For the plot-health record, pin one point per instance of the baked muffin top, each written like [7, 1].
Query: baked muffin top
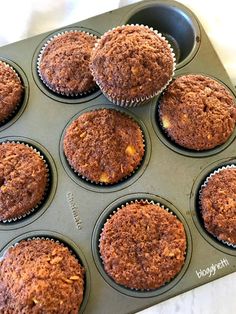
[218, 205]
[142, 246]
[197, 112]
[23, 180]
[64, 63]
[104, 145]
[11, 91]
[40, 276]
[132, 62]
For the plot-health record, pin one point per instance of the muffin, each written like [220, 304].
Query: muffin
[104, 145]
[197, 112]
[64, 63]
[23, 180]
[218, 204]
[142, 246]
[131, 64]
[40, 276]
[11, 91]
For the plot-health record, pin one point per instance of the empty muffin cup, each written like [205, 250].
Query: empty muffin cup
[177, 24]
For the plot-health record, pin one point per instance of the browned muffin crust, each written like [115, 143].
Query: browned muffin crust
[218, 205]
[11, 91]
[23, 180]
[64, 64]
[104, 145]
[143, 246]
[197, 112]
[40, 276]
[131, 62]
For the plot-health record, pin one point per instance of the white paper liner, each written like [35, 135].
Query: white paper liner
[57, 90]
[137, 201]
[134, 102]
[124, 178]
[200, 192]
[20, 217]
[17, 106]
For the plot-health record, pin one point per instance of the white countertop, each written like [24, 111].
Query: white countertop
[21, 19]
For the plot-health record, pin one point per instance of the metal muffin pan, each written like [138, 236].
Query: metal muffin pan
[75, 209]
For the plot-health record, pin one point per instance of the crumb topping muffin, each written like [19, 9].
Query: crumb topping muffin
[218, 205]
[132, 62]
[142, 246]
[64, 63]
[104, 145]
[197, 112]
[11, 91]
[23, 180]
[40, 276]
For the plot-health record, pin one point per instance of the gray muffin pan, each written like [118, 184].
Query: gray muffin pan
[75, 210]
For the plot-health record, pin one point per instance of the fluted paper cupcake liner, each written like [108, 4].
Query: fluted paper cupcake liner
[134, 102]
[200, 192]
[57, 90]
[35, 208]
[17, 107]
[137, 201]
[122, 179]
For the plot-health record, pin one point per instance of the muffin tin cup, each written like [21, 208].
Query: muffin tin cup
[63, 241]
[4, 121]
[124, 178]
[195, 203]
[69, 98]
[108, 213]
[167, 139]
[46, 188]
[23, 219]
[176, 22]
[205, 184]
[134, 102]
[106, 187]
[57, 90]
[21, 105]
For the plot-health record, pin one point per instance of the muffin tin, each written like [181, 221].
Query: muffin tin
[74, 209]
